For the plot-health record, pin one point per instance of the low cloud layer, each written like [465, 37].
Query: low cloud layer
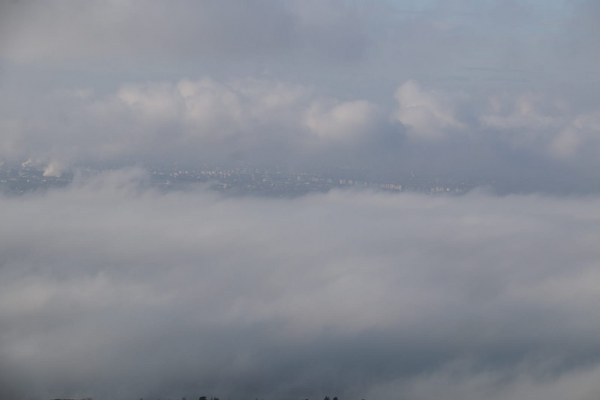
[113, 290]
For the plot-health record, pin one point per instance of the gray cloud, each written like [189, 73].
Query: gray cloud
[179, 31]
[111, 289]
[337, 43]
[496, 92]
[118, 291]
[532, 141]
[193, 121]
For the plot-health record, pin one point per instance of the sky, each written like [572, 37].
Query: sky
[112, 289]
[496, 92]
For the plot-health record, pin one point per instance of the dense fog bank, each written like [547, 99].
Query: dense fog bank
[111, 289]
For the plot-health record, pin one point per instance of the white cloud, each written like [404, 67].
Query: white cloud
[526, 112]
[550, 124]
[117, 290]
[583, 130]
[53, 169]
[186, 120]
[426, 114]
[341, 121]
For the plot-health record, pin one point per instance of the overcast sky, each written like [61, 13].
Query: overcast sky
[490, 91]
[113, 290]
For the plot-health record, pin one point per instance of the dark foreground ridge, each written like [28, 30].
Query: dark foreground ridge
[183, 398]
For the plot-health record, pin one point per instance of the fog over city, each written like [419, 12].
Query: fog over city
[293, 199]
